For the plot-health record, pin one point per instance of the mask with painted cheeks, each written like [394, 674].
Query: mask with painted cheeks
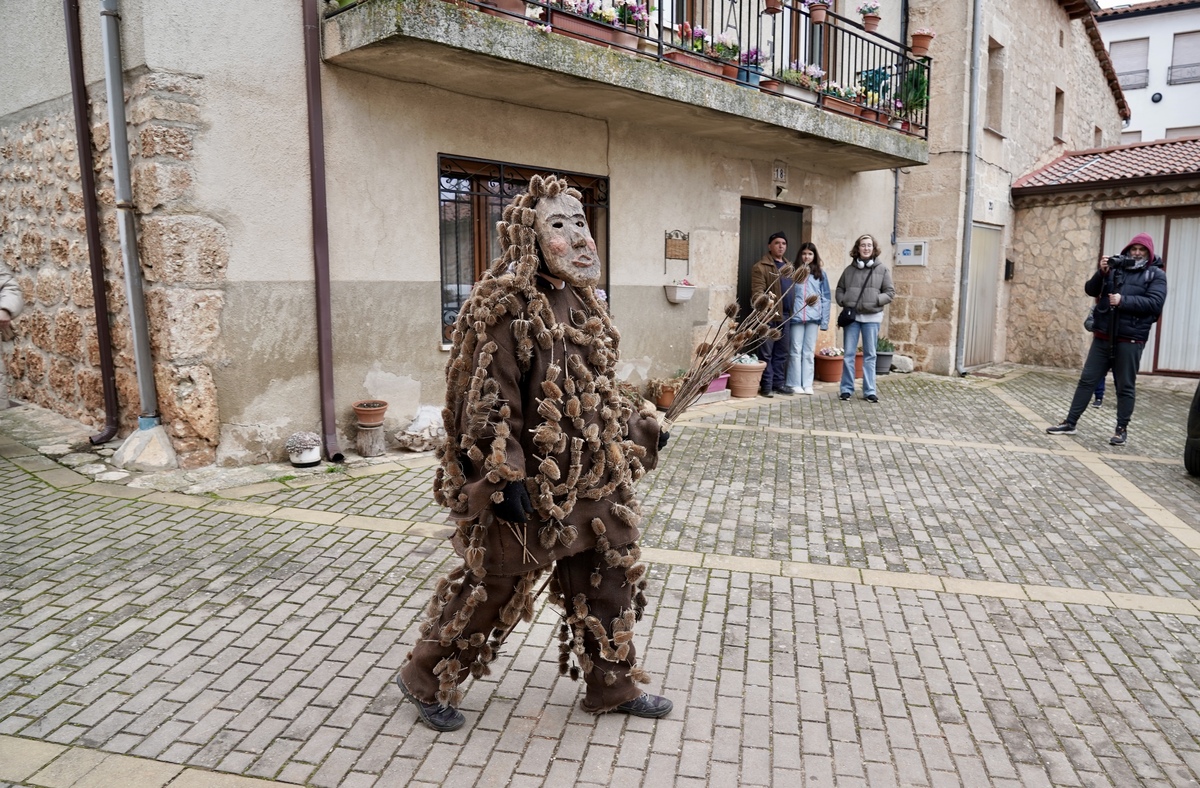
[566, 242]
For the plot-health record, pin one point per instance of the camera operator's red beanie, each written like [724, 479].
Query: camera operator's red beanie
[1143, 239]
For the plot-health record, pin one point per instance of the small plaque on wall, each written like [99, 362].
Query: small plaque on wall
[677, 245]
[912, 252]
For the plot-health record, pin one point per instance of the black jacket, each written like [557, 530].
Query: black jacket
[1143, 293]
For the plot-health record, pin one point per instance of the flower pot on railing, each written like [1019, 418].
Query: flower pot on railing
[790, 90]
[693, 61]
[871, 22]
[920, 44]
[817, 12]
[839, 105]
[515, 8]
[773, 7]
[581, 28]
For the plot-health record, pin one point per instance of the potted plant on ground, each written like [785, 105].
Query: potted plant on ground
[661, 391]
[828, 364]
[798, 82]
[884, 348]
[745, 373]
[369, 412]
[870, 15]
[304, 449]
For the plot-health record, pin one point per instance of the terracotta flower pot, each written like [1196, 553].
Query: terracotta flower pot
[871, 22]
[694, 61]
[666, 399]
[744, 379]
[920, 44]
[581, 28]
[839, 105]
[774, 7]
[817, 12]
[828, 368]
[370, 412]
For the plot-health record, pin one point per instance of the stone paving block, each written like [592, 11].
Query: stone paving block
[62, 478]
[111, 490]
[20, 758]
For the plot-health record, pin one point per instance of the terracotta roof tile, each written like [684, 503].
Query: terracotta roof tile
[1104, 166]
[1136, 9]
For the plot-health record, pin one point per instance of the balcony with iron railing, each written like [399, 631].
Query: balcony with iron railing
[1183, 74]
[759, 74]
[1133, 80]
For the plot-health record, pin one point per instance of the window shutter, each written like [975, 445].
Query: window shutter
[1130, 56]
[1187, 49]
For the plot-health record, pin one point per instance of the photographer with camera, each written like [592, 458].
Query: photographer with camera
[1130, 289]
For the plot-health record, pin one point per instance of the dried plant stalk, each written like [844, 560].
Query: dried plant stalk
[716, 353]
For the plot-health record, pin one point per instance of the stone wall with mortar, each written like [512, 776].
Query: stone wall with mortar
[1043, 50]
[55, 359]
[1056, 243]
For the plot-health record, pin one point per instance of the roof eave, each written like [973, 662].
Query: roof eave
[1084, 186]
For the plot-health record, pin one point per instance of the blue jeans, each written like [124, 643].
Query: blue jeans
[870, 334]
[800, 360]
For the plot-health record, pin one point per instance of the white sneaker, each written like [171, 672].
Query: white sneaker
[804, 391]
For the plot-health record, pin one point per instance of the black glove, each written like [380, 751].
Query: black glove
[516, 506]
[662, 439]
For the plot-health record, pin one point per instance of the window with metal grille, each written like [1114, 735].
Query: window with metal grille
[1185, 59]
[472, 194]
[1129, 59]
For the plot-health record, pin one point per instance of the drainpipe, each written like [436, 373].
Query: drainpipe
[311, 11]
[91, 217]
[969, 208]
[114, 82]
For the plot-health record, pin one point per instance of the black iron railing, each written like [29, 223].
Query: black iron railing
[771, 45]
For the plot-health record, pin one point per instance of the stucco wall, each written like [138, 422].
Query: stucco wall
[933, 198]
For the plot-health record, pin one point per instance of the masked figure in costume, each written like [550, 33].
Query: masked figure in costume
[541, 455]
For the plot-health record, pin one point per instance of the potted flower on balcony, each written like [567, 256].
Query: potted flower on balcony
[870, 15]
[633, 20]
[798, 82]
[840, 98]
[694, 51]
[921, 39]
[727, 48]
[913, 93]
[817, 10]
[584, 20]
[751, 67]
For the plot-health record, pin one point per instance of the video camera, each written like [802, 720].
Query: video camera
[1124, 262]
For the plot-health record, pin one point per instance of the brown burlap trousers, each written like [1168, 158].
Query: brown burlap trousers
[468, 614]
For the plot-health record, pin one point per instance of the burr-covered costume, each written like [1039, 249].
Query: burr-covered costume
[532, 401]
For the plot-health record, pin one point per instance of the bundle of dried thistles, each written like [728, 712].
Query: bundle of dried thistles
[730, 339]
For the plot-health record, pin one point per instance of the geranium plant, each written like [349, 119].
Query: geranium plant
[924, 31]
[633, 14]
[693, 38]
[726, 45]
[868, 7]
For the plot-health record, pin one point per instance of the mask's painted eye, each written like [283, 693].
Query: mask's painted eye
[557, 225]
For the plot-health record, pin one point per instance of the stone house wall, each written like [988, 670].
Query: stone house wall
[1056, 243]
[55, 361]
[1043, 49]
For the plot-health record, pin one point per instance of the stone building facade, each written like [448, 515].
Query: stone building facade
[54, 361]
[1044, 88]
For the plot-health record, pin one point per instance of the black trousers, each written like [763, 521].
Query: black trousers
[1123, 361]
[775, 353]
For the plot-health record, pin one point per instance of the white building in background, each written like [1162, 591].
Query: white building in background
[1155, 49]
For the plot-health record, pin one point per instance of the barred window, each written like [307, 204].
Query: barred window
[472, 194]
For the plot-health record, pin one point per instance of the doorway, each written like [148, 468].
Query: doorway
[760, 220]
[979, 328]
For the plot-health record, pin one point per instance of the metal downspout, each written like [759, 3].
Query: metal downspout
[91, 217]
[969, 208]
[311, 11]
[114, 82]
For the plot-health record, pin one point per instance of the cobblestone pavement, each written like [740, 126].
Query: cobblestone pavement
[928, 591]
